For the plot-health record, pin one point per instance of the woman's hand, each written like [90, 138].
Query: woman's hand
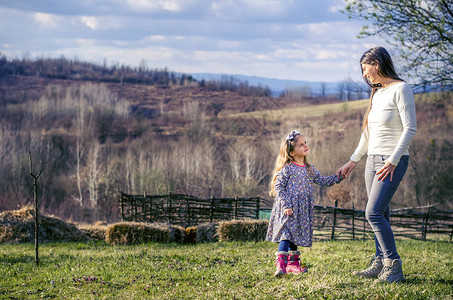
[288, 212]
[387, 169]
[346, 169]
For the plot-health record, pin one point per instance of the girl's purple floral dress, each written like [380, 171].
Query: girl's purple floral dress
[294, 189]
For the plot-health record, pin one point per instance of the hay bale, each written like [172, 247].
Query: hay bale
[207, 232]
[96, 232]
[177, 234]
[19, 226]
[243, 230]
[101, 223]
[191, 235]
[128, 233]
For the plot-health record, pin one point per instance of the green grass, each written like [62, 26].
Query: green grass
[230, 270]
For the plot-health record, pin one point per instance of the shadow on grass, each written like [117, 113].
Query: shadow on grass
[417, 280]
[7, 259]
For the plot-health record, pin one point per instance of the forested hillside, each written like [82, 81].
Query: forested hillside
[96, 137]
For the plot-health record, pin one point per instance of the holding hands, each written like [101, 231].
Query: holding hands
[345, 170]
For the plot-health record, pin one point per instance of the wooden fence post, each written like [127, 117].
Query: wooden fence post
[334, 220]
[353, 218]
[122, 206]
[236, 207]
[144, 207]
[188, 210]
[169, 208]
[451, 234]
[257, 207]
[150, 207]
[364, 221]
[425, 223]
[212, 209]
[134, 202]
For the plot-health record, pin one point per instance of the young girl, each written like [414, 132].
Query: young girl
[291, 219]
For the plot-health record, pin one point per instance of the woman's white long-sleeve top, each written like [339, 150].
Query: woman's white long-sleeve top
[391, 124]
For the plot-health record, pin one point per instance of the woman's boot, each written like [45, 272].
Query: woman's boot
[392, 271]
[373, 270]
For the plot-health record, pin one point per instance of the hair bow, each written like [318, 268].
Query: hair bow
[292, 135]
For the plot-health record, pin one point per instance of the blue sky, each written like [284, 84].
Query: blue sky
[285, 39]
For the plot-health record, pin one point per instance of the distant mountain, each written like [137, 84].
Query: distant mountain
[277, 86]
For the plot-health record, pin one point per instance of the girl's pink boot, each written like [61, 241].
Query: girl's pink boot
[281, 262]
[294, 263]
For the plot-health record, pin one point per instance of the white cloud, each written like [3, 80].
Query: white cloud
[291, 54]
[249, 10]
[287, 39]
[90, 22]
[268, 7]
[100, 23]
[230, 45]
[155, 38]
[46, 19]
[158, 5]
[326, 55]
[85, 41]
[336, 6]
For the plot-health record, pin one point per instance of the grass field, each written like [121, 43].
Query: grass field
[230, 270]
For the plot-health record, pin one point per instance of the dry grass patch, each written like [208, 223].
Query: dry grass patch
[302, 110]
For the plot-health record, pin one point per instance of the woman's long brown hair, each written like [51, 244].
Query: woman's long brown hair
[377, 56]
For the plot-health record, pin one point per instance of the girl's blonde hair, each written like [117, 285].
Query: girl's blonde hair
[283, 158]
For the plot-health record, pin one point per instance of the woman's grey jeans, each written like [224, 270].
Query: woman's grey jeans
[380, 194]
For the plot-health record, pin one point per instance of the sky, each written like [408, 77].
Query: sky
[308, 40]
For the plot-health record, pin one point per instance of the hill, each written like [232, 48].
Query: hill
[96, 138]
[277, 86]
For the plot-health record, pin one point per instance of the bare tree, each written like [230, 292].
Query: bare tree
[93, 169]
[421, 30]
[36, 207]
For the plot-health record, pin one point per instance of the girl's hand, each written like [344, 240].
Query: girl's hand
[346, 169]
[387, 169]
[288, 212]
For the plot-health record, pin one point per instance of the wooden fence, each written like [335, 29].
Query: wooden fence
[330, 222]
[411, 222]
[186, 210]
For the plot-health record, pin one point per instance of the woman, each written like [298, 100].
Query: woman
[388, 128]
